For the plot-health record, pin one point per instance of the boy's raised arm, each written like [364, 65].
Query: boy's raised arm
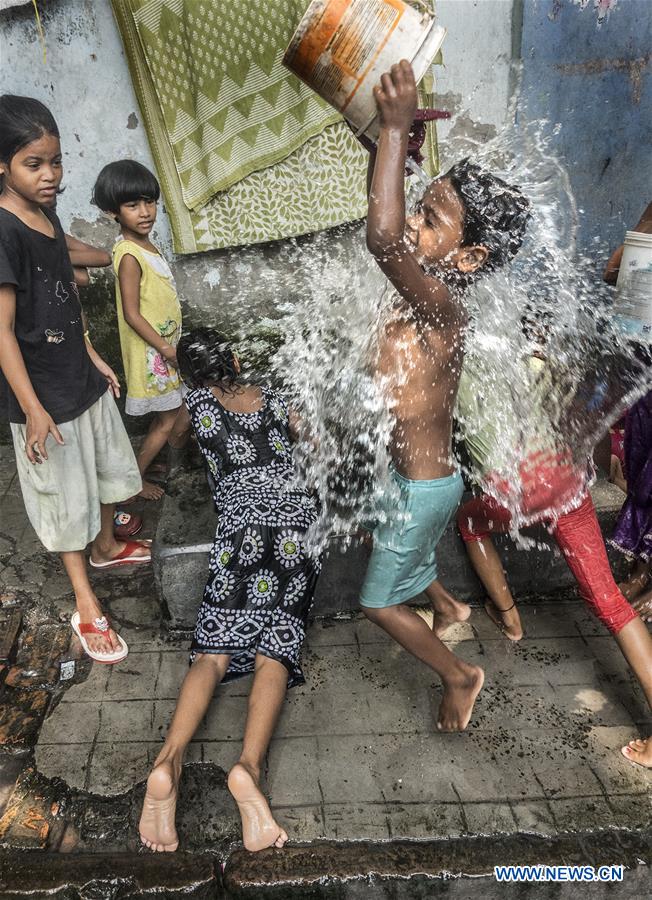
[396, 97]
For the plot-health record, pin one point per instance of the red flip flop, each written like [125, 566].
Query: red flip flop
[99, 626]
[126, 557]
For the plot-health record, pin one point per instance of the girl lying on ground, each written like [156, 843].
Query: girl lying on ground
[260, 587]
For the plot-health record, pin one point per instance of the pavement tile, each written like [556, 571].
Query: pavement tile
[368, 822]
[321, 663]
[75, 723]
[629, 693]
[489, 818]
[552, 661]
[616, 774]
[631, 810]
[220, 753]
[582, 814]
[593, 704]
[66, 761]
[116, 767]
[293, 772]
[368, 633]
[225, 720]
[534, 817]
[404, 768]
[424, 821]
[172, 671]
[302, 823]
[135, 678]
[561, 762]
[556, 618]
[92, 689]
[610, 661]
[129, 721]
[138, 619]
[487, 767]
[331, 633]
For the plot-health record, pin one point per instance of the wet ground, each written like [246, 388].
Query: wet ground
[357, 773]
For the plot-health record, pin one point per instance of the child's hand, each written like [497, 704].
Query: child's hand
[105, 369]
[396, 97]
[39, 425]
[169, 354]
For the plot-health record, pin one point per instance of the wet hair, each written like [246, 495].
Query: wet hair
[496, 214]
[124, 181]
[205, 358]
[22, 120]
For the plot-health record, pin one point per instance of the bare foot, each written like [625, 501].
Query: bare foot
[446, 610]
[459, 696]
[151, 491]
[639, 752]
[157, 826]
[507, 620]
[89, 609]
[643, 606]
[259, 830]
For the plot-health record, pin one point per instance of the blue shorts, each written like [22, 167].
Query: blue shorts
[403, 561]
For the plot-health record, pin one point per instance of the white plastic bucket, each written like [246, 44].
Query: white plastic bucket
[342, 47]
[633, 305]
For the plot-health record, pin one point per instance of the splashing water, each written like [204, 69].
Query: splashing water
[547, 370]
[530, 422]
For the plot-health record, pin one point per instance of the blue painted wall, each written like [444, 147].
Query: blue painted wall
[596, 82]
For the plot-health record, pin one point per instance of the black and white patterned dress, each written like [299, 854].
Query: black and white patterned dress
[262, 574]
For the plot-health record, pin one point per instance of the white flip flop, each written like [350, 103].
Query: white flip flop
[99, 626]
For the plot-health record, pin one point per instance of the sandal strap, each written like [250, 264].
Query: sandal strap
[100, 625]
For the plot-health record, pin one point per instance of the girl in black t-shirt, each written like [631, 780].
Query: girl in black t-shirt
[73, 456]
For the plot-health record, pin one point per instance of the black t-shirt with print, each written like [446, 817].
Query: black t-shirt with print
[48, 323]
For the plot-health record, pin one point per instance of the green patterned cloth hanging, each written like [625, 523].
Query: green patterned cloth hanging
[244, 151]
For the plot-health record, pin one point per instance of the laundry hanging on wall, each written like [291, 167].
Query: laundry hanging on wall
[244, 151]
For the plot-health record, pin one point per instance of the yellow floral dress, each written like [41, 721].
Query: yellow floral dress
[153, 385]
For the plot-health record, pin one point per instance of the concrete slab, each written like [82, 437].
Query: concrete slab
[357, 756]
[183, 542]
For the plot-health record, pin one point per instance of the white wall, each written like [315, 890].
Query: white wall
[86, 83]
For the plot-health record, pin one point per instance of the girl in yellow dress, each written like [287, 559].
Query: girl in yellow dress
[149, 314]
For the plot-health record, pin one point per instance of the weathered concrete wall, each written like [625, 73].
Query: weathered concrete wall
[595, 81]
[87, 85]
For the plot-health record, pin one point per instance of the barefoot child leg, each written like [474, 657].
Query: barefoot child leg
[259, 828]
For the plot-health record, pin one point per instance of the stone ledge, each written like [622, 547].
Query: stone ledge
[460, 867]
[109, 875]
[187, 526]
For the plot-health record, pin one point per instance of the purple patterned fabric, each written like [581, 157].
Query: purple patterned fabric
[633, 532]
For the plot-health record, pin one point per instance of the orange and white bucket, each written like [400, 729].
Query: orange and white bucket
[342, 47]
